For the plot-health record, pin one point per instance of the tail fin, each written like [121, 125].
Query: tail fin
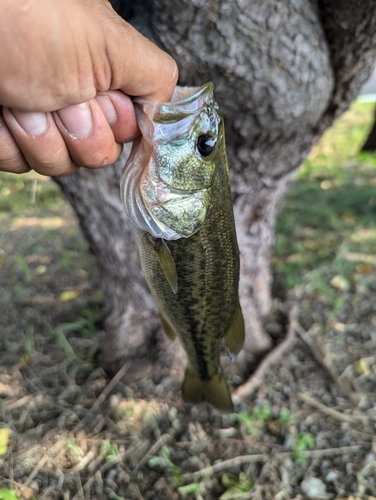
[214, 391]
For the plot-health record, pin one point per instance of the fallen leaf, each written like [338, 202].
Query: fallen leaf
[362, 367]
[364, 269]
[339, 327]
[314, 488]
[4, 439]
[326, 184]
[341, 283]
[41, 269]
[8, 495]
[68, 295]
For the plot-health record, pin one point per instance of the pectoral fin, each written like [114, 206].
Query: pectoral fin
[167, 328]
[234, 338]
[166, 261]
[214, 391]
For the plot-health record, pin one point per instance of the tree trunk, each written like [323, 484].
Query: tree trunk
[370, 144]
[283, 70]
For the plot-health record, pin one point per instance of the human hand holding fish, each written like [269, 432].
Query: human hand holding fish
[68, 68]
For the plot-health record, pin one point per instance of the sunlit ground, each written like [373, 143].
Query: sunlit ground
[328, 221]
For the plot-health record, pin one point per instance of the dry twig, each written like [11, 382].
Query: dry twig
[109, 465]
[165, 438]
[35, 471]
[102, 396]
[343, 417]
[264, 457]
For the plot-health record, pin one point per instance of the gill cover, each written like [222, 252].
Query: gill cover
[167, 179]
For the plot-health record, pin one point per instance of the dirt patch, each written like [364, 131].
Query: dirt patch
[77, 435]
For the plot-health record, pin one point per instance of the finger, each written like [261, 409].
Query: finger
[120, 114]
[11, 158]
[145, 70]
[87, 134]
[40, 142]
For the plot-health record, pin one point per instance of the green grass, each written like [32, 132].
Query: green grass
[28, 191]
[327, 224]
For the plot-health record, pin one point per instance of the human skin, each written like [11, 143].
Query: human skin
[68, 69]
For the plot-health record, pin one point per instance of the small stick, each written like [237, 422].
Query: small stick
[240, 460]
[34, 188]
[35, 471]
[102, 396]
[343, 417]
[82, 464]
[263, 457]
[108, 465]
[79, 487]
[256, 378]
[152, 451]
[140, 497]
[13, 405]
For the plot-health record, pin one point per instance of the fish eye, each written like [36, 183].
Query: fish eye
[206, 144]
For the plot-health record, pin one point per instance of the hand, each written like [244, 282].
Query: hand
[68, 69]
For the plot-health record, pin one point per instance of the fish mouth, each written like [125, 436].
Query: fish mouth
[185, 101]
[184, 95]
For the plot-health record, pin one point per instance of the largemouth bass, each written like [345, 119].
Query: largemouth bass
[175, 188]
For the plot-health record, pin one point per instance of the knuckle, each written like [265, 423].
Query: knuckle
[15, 164]
[49, 161]
[53, 160]
[170, 72]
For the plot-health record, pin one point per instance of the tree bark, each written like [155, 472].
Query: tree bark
[283, 70]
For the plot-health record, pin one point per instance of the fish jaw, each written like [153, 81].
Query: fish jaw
[166, 183]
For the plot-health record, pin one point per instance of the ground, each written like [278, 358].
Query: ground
[306, 427]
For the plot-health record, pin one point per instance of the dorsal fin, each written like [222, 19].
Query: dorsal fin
[166, 261]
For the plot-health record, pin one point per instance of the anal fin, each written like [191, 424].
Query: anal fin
[214, 391]
[234, 338]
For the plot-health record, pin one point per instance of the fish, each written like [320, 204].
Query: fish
[175, 189]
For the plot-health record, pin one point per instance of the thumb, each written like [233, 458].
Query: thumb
[139, 67]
